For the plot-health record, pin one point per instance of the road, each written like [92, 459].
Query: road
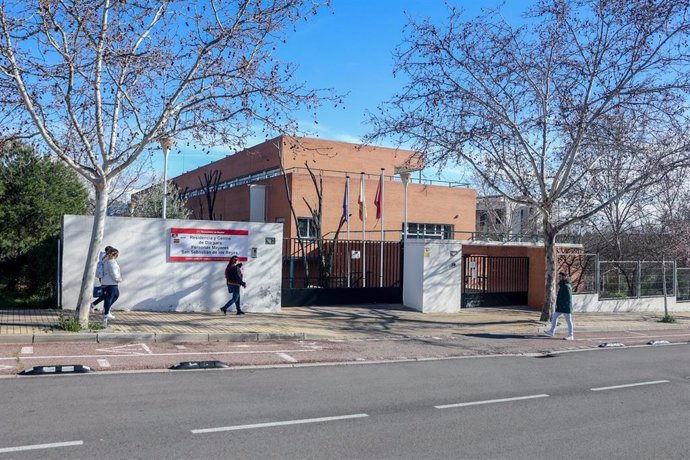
[618, 403]
[108, 357]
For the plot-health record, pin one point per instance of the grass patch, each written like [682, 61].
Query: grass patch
[70, 323]
[19, 301]
[668, 319]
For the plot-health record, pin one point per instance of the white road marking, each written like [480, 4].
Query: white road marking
[3, 366]
[491, 401]
[131, 349]
[189, 353]
[27, 350]
[287, 357]
[180, 347]
[615, 387]
[103, 362]
[41, 446]
[283, 423]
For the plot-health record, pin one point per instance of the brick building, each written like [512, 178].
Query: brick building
[250, 186]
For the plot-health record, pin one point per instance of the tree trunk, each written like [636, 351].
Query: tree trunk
[86, 293]
[550, 272]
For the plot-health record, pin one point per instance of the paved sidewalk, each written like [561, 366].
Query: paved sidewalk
[335, 323]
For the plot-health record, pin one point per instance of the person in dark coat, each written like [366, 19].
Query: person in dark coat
[564, 306]
[233, 278]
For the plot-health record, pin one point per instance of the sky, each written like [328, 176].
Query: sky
[349, 48]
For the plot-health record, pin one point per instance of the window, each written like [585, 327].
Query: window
[306, 228]
[429, 231]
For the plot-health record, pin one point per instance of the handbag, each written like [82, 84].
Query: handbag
[97, 291]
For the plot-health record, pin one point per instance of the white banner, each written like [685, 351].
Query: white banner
[203, 245]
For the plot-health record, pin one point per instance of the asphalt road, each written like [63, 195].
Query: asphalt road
[625, 403]
[109, 357]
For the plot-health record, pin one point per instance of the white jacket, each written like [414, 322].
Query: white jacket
[112, 273]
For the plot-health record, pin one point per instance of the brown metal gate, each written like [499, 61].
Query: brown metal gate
[490, 281]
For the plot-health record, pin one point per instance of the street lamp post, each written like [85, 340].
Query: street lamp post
[405, 178]
[166, 145]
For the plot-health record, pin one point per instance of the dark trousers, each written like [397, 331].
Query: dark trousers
[111, 294]
[234, 291]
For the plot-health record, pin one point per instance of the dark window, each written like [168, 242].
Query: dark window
[429, 231]
[306, 228]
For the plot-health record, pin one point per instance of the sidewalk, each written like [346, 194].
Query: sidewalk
[335, 323]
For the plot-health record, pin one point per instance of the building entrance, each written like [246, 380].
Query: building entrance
[355, 272]
[490, 281]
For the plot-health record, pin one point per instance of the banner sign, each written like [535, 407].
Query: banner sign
[207, 244]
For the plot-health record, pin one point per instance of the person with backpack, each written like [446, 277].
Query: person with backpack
[233, 279]
[99, 274]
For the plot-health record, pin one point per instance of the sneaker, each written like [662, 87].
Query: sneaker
[570, 337]
[224, 310]
[240, 312]
[110, 316]
[548, 333]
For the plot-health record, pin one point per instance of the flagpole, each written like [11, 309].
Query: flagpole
[347, 221]
[363, 211]
[383, 235]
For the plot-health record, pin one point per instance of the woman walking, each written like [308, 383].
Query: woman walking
[233, 279]
[564, 306]
[110, 282]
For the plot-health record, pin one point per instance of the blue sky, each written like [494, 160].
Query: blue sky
[349, 48]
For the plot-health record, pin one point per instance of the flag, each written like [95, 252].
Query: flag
[362, 201]
[346, 200]
[377, 198]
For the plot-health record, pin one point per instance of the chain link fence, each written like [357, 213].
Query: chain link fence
[625, 279]
[683, 277]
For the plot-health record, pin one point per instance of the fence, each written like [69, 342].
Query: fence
[346, 264]
[625, 279]
[683, 281]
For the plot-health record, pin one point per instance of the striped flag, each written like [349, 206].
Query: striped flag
[378, 198]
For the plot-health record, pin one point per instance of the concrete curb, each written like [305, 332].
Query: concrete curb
[17, 338]
[121, 337]
[233, 337]
[181, 337]
[65, 337]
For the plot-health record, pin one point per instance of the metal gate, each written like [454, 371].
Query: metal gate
[494, 281]
[343, 273]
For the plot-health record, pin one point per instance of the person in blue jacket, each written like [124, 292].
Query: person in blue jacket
[564, 306]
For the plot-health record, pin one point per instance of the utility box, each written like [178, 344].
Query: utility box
[432, 276]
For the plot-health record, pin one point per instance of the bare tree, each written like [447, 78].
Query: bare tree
[530, 108]
[99, 83]
[209, 185]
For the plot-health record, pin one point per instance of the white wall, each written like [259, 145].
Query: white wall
[591, 303]
[151, 282]
[432, 276]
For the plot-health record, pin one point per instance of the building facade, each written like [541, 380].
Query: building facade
[254, 185]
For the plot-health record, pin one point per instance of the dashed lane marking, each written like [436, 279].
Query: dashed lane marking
[103, 362]
[491, 401]
[287, 357]
[282, 423]
[616, 387]
[180, 347]
[41, 446]
[27, 350]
